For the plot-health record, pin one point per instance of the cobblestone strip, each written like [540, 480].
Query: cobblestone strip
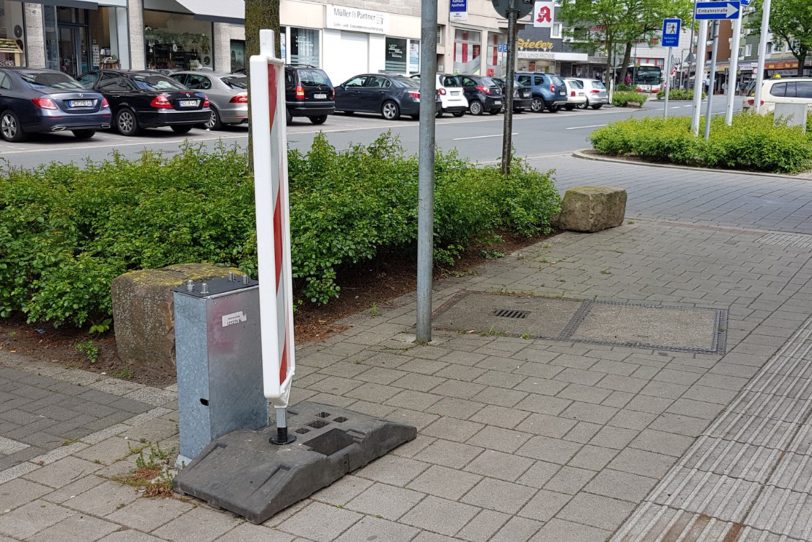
[787, 240]
[739, 475]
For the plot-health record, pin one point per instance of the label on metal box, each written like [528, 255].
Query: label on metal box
[234, 318]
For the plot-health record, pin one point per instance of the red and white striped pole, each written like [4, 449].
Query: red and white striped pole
[269, 133]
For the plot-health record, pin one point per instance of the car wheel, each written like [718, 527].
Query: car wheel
[318, 119]
[84, 134]
[439, 114]
[390, 110]
[475, 107]
[126, 122]
[10, 128]
[537, 105]
[288, 117]
[180, 130]
[214, 122]
[552, 108]
[495, 111]
[597, 106]
[569, 107]
[458, 114]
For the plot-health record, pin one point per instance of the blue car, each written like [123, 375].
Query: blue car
[33, 101]
[549, 91]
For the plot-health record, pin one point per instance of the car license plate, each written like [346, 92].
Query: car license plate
[188, 103]
[497, 102]
[455, 92]
[82, 103]
[320, 96]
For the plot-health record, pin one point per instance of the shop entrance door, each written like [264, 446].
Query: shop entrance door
[73, 50]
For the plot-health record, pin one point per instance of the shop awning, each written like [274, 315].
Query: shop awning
[232, 11]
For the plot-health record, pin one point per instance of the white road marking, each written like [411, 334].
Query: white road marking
[480, 137]
[588, 126]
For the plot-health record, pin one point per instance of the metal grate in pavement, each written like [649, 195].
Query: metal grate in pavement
[793, 240]
[750, 472]
[511, 313]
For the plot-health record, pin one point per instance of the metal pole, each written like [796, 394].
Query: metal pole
[711, 80]
[667, 82]
[762, 52]
[425, 195]
[690, 50]
[734, 68]
[282, 436]
[507, 135]
[699, 75]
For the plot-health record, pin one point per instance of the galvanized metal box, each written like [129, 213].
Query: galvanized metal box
[218, 359]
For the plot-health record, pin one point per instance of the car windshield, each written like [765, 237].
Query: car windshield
[236, 82]
[156, 82]
[313, 77]
[488, 82]
[54, 80]
[557, 81]
[451, 81]
[599, 85]
[406, 83]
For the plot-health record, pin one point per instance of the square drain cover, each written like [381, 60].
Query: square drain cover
[659, 327]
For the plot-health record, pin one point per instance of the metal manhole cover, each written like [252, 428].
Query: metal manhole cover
[643, 325]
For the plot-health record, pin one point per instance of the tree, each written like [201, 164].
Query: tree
[259, 15]
[603, 25]
[791, 21]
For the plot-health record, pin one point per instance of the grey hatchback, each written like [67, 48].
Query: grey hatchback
[227, 93]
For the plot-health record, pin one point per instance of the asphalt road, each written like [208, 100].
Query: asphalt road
[477, 138]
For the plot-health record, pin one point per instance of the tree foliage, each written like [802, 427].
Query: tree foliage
[791, 22]
[602, 25]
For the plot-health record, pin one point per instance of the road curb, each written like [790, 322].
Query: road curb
[586, 155]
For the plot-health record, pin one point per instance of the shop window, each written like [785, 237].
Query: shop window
[12, 35]
[176, 41]
[304, 47]
[238, 55]
[467, 49]
[395, 59]
[414, 56]
[492, 55]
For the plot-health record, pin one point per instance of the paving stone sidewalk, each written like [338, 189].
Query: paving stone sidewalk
[518, 439]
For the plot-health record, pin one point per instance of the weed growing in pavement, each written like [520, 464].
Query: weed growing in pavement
[374, 310]
[123, 374]
[152, 473]
[89, 349]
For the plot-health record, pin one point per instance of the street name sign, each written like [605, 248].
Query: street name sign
[458, 10]
[714, 11]
[671, 29]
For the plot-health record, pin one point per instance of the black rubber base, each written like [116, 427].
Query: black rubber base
[245, 474]
[282, 437]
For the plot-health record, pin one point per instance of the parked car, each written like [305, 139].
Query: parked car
[483, 94]
[548, 91]
[576, 95]
[227, 93]
[48, 101]
[522, 95]
[389, 95]
[452, 97]
[796, 90]
[147, 99]
[308, 93]
[596, 95]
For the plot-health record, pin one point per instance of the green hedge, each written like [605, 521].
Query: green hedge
[753, 143]
[678, 94]
[67, 231]
[623, 99]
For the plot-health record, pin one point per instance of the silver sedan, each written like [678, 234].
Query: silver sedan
[227, 93]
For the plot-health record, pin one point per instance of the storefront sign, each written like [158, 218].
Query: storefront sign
[356, 20]
[544, 14]
[539, 45]
[458, 10]
[395, 60]
[781, 65]
[550, 55]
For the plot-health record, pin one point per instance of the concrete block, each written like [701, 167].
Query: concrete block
[143, 311]
[592, 208]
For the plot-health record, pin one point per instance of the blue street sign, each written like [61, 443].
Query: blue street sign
[713, 11]
[458, 6]
[744, 2]
[671, 28]
[501, 47]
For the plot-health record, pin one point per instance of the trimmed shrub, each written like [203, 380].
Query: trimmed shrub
[753, 143]
[67, 231]
[678, 94]
[623, 99]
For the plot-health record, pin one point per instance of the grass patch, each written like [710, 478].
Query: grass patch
[152, 473]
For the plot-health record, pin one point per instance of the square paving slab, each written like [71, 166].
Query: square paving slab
[663, 327]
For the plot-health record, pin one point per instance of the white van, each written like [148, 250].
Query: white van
[797, 90]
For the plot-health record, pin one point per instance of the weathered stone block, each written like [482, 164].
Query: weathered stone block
[592, 208]
[143, 311]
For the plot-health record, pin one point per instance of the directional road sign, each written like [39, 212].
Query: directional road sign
[712, 11]
[744, 2]
[671, 29]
